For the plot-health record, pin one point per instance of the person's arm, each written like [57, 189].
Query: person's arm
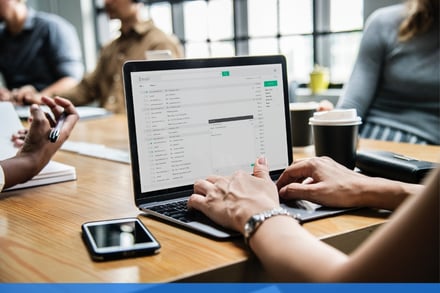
[361, 87]
[64, 58]
[404, 250]
[287, 251]
[29, 95]
[89, 90]
[290, 253]
[37, 150]
[323, 181]
[61, 84]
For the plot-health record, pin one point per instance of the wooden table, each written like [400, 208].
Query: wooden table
[40, 228]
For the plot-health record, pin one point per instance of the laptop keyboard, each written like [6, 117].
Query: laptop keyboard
[179, 211]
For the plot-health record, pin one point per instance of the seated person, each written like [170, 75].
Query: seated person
[395, 80]
[105, 85]
[37, 150]
[406, 249]
[40, 53]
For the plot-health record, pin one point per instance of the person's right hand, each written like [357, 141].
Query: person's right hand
[323, 181]
[325, 105]
[26, 95]
[231, 200]
[36, 143]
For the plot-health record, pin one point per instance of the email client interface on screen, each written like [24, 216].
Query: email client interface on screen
[191, 123]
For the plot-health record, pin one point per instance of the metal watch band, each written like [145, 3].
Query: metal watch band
[256, 220]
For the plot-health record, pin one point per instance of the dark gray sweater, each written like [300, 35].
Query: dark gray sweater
[396, 83]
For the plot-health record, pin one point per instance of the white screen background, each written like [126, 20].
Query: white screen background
[191, 123]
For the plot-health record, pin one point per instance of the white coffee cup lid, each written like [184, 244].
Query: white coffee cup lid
[336, 117]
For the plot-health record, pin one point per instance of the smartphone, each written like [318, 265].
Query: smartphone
[118, 238]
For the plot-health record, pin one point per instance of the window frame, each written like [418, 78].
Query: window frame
[321, 32]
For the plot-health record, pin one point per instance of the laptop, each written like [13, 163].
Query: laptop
[191, 118]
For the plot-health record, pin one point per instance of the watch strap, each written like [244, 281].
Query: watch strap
[256, 220]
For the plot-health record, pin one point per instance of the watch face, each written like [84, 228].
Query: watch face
[248, 228]
[251, 224]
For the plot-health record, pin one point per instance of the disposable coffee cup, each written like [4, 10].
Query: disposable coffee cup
[158, 54]
[335, 135]
[301, 131]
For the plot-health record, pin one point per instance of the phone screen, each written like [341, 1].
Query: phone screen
[119, 238]
[123, 234]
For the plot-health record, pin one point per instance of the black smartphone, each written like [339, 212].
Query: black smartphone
[118, 238]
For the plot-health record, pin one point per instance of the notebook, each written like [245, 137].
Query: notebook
[53, 172]
[191, 118]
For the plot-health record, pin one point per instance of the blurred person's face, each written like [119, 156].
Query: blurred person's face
[119, 9]
[7, 9]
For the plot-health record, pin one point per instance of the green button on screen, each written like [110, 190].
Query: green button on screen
[270, 83]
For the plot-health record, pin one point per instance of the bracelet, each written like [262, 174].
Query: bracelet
[256, 220]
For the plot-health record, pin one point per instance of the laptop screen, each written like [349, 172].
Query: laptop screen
[192, 118]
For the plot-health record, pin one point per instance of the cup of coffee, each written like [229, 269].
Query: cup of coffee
[158, 54]
[301, 131]
[335, 135]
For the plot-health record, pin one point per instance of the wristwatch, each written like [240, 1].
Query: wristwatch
[256, 220]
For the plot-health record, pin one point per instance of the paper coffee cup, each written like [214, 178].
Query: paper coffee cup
[301, 131]
[335, 135]
[158, 54]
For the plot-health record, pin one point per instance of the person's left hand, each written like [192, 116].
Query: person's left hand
[231, 201]
[36, 144]
[19, 137]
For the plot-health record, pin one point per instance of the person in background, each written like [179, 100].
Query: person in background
[396, 78]
[405, 249]
[37, 150]
[40, 53]
[105, 85]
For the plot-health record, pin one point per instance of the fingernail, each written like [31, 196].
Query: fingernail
[262, 160]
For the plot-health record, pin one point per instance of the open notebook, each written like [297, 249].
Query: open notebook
[53, 172]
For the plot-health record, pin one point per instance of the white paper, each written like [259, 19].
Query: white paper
[9, 124]
[53, 172]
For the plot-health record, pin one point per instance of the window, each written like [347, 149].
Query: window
[307, 32]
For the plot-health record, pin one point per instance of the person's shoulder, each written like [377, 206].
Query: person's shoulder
[51, 19]
[147, 26]
[388, 14]
[154, 32]
[384, 22]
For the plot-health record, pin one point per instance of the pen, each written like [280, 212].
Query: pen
[55, 132]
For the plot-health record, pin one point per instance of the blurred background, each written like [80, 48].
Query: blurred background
[307, 32]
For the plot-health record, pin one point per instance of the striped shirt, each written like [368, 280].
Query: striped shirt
[381, 132]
